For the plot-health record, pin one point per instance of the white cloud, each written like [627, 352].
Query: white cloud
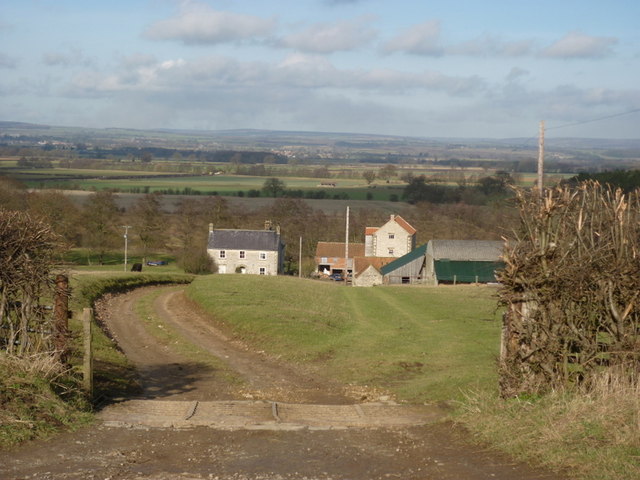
[199, 24]
[421, 39]
[7, 61]
[333, 37]
[516, 73]
[488, 45]
[70, 58]
[579, 45]
[297, 71]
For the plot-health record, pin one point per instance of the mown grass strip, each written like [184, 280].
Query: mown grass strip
[424, 344]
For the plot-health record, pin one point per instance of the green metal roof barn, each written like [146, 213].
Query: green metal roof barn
[462, 261]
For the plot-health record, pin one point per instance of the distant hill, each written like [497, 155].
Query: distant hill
[254, 138]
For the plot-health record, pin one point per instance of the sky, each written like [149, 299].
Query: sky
[424, 68]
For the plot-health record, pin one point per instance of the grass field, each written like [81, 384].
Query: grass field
[431, 344]
[423, 344]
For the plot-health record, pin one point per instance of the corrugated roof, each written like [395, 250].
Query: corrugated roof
[466, 250]
[400, 262]
[336, 249]
[264, 240]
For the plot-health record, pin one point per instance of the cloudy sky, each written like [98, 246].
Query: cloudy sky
[429, 68]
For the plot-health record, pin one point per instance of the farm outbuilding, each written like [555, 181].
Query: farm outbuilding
[409, 268]
[368, 270]
[462, 261]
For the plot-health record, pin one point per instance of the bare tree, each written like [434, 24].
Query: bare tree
[59, 211]
[369, 176]
[149, 223]
[101, 217]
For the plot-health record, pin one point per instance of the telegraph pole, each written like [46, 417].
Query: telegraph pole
[300, 259]
[346, 250]
[126, 231]
[541, 158]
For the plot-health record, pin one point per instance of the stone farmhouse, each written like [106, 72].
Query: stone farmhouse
[394, 239]
[255, 252]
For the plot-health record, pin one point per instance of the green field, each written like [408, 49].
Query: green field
[430, 344]
[423, 344]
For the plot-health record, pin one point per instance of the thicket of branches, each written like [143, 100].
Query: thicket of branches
[571, 287]
[27, 246]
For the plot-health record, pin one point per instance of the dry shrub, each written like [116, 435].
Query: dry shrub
[571, 286]
[27, 246]
[41, 365]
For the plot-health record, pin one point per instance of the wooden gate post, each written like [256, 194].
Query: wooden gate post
[87, 363]
[61, 318]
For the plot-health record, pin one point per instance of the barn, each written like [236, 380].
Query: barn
[409, 268]
[462, 261]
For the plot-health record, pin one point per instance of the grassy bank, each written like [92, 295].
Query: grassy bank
[593, 433]
[39, 396]
[423, 344]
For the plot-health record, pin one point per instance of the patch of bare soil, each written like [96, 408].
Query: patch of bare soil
[432, 451]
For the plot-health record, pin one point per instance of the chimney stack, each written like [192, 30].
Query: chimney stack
[211, 228]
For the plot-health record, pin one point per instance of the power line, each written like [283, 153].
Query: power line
[606, 117]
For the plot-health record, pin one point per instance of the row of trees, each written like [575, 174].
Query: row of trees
[489, 188]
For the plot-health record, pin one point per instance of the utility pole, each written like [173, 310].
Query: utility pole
[346, 250]
[541, 158]
[126, 231]
[300, 259]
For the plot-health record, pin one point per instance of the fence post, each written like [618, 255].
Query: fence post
[61, 317]
[87, 363]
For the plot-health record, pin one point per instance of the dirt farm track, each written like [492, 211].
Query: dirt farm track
[269, 421]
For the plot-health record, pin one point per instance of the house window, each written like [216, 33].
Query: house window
[223, 254]
[243, 254]
[392, 236]
[263, 255]
[263, 271]
[390, 251]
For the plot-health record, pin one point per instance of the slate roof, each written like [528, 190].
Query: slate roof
[336, 249]
[263, 240]
[402, 261]
[466, 250]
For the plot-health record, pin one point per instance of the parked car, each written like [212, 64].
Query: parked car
[337, 277]
[156, 263]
